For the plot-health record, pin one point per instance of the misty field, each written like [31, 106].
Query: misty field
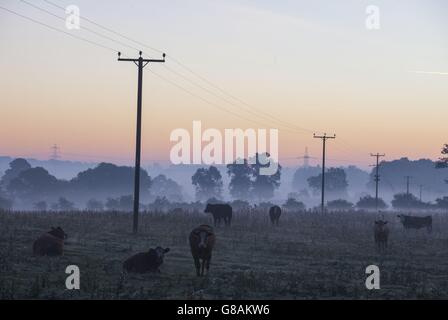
[307, 256]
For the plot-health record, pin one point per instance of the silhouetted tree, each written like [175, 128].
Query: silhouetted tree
[300, 178]
[335, 182]
[208, 183]
[162, 186]
[263, 186]
[15, 168]
[339, 204]
[293, 205]
[41, 206]
[5, 203]
[35, 183]
[109, 180]
[63, 205]
[442, 203]
[369, 202]
[240, 179]
[94, 205]
[407, 201]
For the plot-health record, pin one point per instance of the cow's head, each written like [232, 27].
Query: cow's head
[161, 252]
[208, 208]
[380, 224]
[58, 233]
[203, 235]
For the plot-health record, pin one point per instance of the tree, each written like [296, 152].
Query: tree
[208, 183]
[442, 203]
[407, 201]
[240, 179]
[300, 178]
[15, 168]
[293, 205]
[63, 205]
[109, 180]
[5, 203]
[112, 204]
[335, 182]
[123, 203]
[369, 202]
[164, 187]
[94, 205]
[35, 183]
[339, 204]
[263, 186]
[41, 206]
[443, 161]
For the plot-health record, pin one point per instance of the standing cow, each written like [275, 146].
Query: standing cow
[50, 243]
[220, 211]
[202, 241]
[410, 222]
[381, 232]
[275, 213]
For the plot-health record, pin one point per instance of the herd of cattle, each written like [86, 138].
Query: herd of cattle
[202, 240]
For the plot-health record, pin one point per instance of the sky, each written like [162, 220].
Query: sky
[296, 66]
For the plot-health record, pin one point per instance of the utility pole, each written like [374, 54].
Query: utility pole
[377, 176]
[55, 154]
[141, 63]
[324, 139]
[407, 184]
[306, 158]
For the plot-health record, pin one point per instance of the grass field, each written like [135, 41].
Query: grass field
[308, 256]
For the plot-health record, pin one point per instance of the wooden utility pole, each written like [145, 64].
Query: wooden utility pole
[324, 139]
[141, 63]
[377, 176]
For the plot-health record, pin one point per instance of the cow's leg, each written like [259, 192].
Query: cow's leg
[208, 263]
[203, 265]
[197, 265]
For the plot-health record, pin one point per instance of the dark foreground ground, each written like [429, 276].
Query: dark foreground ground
[308, 256]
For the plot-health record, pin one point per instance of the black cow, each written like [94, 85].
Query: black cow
[274, 214]
[220, 211]
[410, 222]
[146, 261]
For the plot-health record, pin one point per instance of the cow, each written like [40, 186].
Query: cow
[50, 243]
[381, 232]
[146, 261]
[410, 222]
[220, 211]
[202, 240]
[275, 213]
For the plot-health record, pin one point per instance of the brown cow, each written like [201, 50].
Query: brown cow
[202, 240]
[381, 234]
[50, 243]
[274, 214]
[146, 261]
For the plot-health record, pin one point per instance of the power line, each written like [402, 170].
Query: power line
[270, 116]
[58, 30]
[84, 28]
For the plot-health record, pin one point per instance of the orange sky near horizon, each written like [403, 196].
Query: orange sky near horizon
[317, 70]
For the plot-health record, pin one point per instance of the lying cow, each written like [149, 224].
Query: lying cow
[50, 243]
[146, 261]
[274, 214]
[381, 232]
[410, 222]
[220, 211]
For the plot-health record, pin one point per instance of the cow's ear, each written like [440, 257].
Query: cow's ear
[166, 250]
